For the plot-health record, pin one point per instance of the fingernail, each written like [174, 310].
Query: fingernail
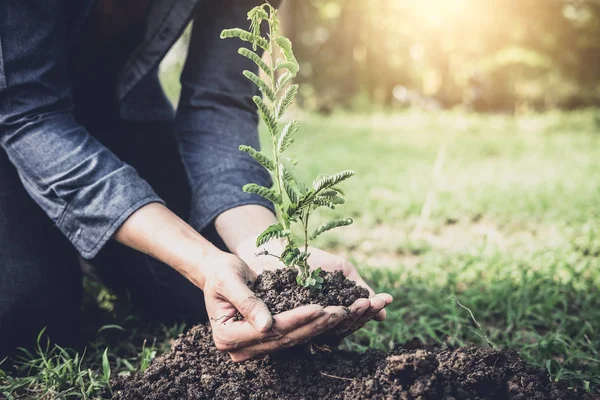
[262, 321]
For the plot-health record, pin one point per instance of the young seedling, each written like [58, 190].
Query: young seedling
[293, 200]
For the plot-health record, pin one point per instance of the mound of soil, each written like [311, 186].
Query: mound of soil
[195, 369]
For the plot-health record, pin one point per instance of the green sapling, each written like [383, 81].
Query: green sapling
[293, 199]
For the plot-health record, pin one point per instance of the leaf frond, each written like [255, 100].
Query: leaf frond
[329, 226]
[262, 191]
[262, 85]
[291, 63]
[328, 181]
[246, 37]
[275, 231]
[266, 115]
[287, 135]
[260, 157]
[257, 60]
[286, 100]
[290, 191]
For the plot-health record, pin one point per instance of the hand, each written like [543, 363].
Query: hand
[226, 292]
[239, 228]
[361, 312]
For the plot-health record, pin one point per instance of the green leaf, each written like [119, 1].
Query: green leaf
[287, 135]
[246, 37]
[262, 191]
[321, 202]
[291, 175]
[105, 366]
[272, 232]
[306, 199]
[291, 64]
[283, 80]
[334, 200]
[260, 157]
[286, 100]
[257, 60]
[328, 181]
[266, 115]
[329, 226]
[290, 191]
[262, 85]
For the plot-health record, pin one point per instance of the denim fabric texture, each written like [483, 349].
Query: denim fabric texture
[85, 188]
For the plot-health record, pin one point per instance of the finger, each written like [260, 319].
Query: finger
[234, 335]
[378, 302]
[345, 328]
[355, 276]
[250, 306]
[357, 310]
[329, 320]
[381, 315]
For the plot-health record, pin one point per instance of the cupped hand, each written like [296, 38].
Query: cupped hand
[361, 311]
[226, 292]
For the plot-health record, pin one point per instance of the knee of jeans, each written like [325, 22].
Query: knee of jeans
[31, 303]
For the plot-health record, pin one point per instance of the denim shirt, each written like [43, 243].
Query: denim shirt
[83, 187]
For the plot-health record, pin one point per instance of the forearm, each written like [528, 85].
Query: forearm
[156, 231]
[240, 226]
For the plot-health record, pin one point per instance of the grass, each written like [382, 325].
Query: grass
[513, 233]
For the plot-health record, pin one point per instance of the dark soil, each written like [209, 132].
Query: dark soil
[280, 292]
[195, 369]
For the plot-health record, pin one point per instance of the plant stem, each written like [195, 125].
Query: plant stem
[274, 110]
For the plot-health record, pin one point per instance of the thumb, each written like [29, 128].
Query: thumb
[250, 306]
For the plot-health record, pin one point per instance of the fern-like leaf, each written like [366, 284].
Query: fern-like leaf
[262, 191]
[246, 37]
[329, 226]
[337, 199]
[283, 80]
[266, 115]
[328, 181]
[287, 135]
[286, 100]
[257, 60]
[291, 64]
[275, 231]
[260, 157]
[291, 192]
[321, 202]
[262, 85]
[291, 175]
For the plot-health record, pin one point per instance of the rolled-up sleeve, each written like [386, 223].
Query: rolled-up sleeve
[216, 115]
[83, 187]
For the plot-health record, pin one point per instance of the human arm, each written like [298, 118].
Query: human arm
[224, 278]
[83, 187]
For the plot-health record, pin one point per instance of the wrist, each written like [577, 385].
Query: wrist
[240, 226]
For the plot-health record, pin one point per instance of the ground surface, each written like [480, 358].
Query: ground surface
[513, 233]
[194, 369]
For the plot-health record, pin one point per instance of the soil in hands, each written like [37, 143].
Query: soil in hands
[195, 369]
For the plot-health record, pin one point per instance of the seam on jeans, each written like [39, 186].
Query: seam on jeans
[87, 254]
[2, 74]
